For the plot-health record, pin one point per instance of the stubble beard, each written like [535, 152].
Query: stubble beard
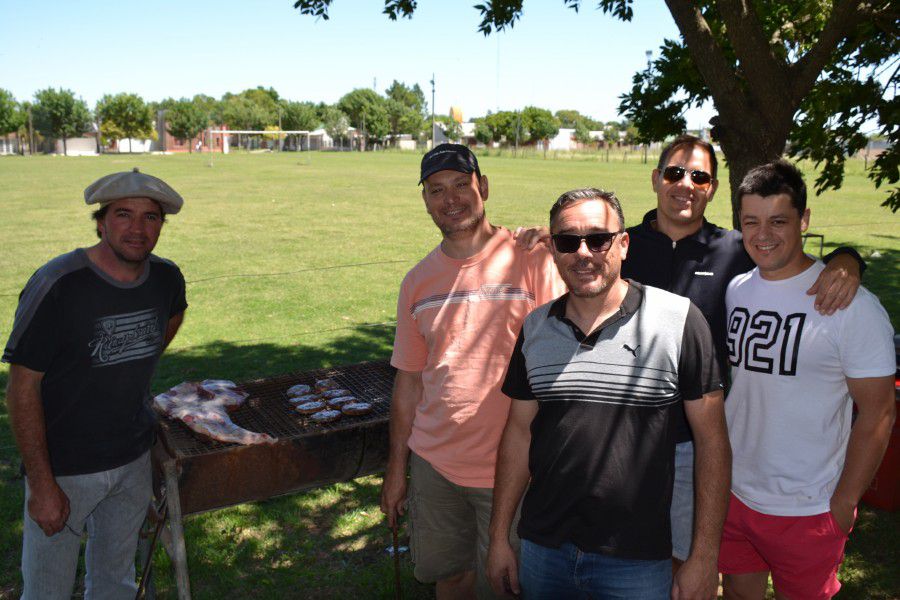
[126, 259]
[607, 280]
[470, 224]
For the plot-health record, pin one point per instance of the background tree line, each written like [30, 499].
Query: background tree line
[377, 118]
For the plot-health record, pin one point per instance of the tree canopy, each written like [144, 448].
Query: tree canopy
[367, 111]
[299, 116]
[125, 116]
[813, 73]
[571, 119]
[185, 119]
[58, 114]
[406, 108]
[11, 115]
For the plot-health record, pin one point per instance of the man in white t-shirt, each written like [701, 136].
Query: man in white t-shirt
[799, 467]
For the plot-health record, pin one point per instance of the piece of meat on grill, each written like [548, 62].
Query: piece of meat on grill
[308, 408]
[301, 389]
[335, 393]
[204, 407]
[222, 429]
[356, 408]
[326, 384]
[326, 416]
[337, 403]
[295, 400]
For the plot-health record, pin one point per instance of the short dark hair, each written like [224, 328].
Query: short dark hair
[776, 177]
[100, 213]
[687, 140]
[579, 195]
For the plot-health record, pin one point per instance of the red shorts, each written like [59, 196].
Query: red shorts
[802, 553]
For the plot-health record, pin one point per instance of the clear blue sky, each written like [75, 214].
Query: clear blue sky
[553, 57]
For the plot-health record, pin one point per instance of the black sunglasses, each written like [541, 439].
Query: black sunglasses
[673, 174]
[571, 242]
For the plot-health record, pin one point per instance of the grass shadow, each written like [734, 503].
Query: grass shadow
[241, 361]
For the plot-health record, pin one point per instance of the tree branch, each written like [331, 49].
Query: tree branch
[766, 75]
[730, 98]
[844, 18]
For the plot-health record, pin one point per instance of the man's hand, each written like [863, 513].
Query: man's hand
[836, 285]
[697, 579]
[503, 569]
[393, 495]
[844, 513]
[48, 506]
[529, 237]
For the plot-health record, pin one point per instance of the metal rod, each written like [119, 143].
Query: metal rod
[146, 573]
[397, 594]
[179, 560]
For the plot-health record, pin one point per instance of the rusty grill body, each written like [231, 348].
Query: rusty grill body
[214, 474]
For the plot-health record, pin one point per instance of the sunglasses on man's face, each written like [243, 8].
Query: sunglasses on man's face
[571, 242]
[673, 174]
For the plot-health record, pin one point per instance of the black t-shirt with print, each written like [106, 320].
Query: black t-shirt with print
[97, 342]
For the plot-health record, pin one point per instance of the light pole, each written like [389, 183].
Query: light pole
[432, 110]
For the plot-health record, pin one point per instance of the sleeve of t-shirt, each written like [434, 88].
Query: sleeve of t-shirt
[179, 303]
[515, 384]
[34, 338]
[866, 338]
[846, 250]
[410, 348]
[544, 280]
[698, 369]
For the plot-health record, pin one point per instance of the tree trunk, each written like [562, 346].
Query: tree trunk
[745, 149]
[65, 150]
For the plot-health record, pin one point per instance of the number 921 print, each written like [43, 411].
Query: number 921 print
[764, 342]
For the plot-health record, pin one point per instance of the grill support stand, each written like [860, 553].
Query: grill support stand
[179, 552]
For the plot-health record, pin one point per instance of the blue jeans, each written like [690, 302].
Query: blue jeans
[567, 572]
[111, 505]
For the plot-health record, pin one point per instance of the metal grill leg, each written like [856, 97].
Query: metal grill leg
[179, 554]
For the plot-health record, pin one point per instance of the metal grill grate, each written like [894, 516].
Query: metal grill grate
[268, 411]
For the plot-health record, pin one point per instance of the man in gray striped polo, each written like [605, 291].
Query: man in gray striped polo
[597, 377]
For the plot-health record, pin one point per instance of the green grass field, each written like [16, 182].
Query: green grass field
[293, 262]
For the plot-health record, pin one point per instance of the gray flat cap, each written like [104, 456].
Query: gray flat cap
[133, 184]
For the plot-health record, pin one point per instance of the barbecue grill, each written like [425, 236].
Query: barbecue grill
[202, 474]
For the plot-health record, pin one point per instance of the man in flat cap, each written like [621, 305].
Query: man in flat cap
[89, 329]
[458, 315]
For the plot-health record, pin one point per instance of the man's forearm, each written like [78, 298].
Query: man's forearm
[406, 395]
[712, 480]
[172, 328]
[510, 479]
[712, 484]
[26, 414]
[868, 441]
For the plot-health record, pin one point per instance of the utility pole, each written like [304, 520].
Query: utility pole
[30, 133]
[432, 110]
[518, 126]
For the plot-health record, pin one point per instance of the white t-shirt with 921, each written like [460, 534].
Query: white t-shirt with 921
[789, 408]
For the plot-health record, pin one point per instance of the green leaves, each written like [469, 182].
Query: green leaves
[185, 119]
[124, 116]
[57, 113]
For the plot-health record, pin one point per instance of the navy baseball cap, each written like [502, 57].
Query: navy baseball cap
[449, 157]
